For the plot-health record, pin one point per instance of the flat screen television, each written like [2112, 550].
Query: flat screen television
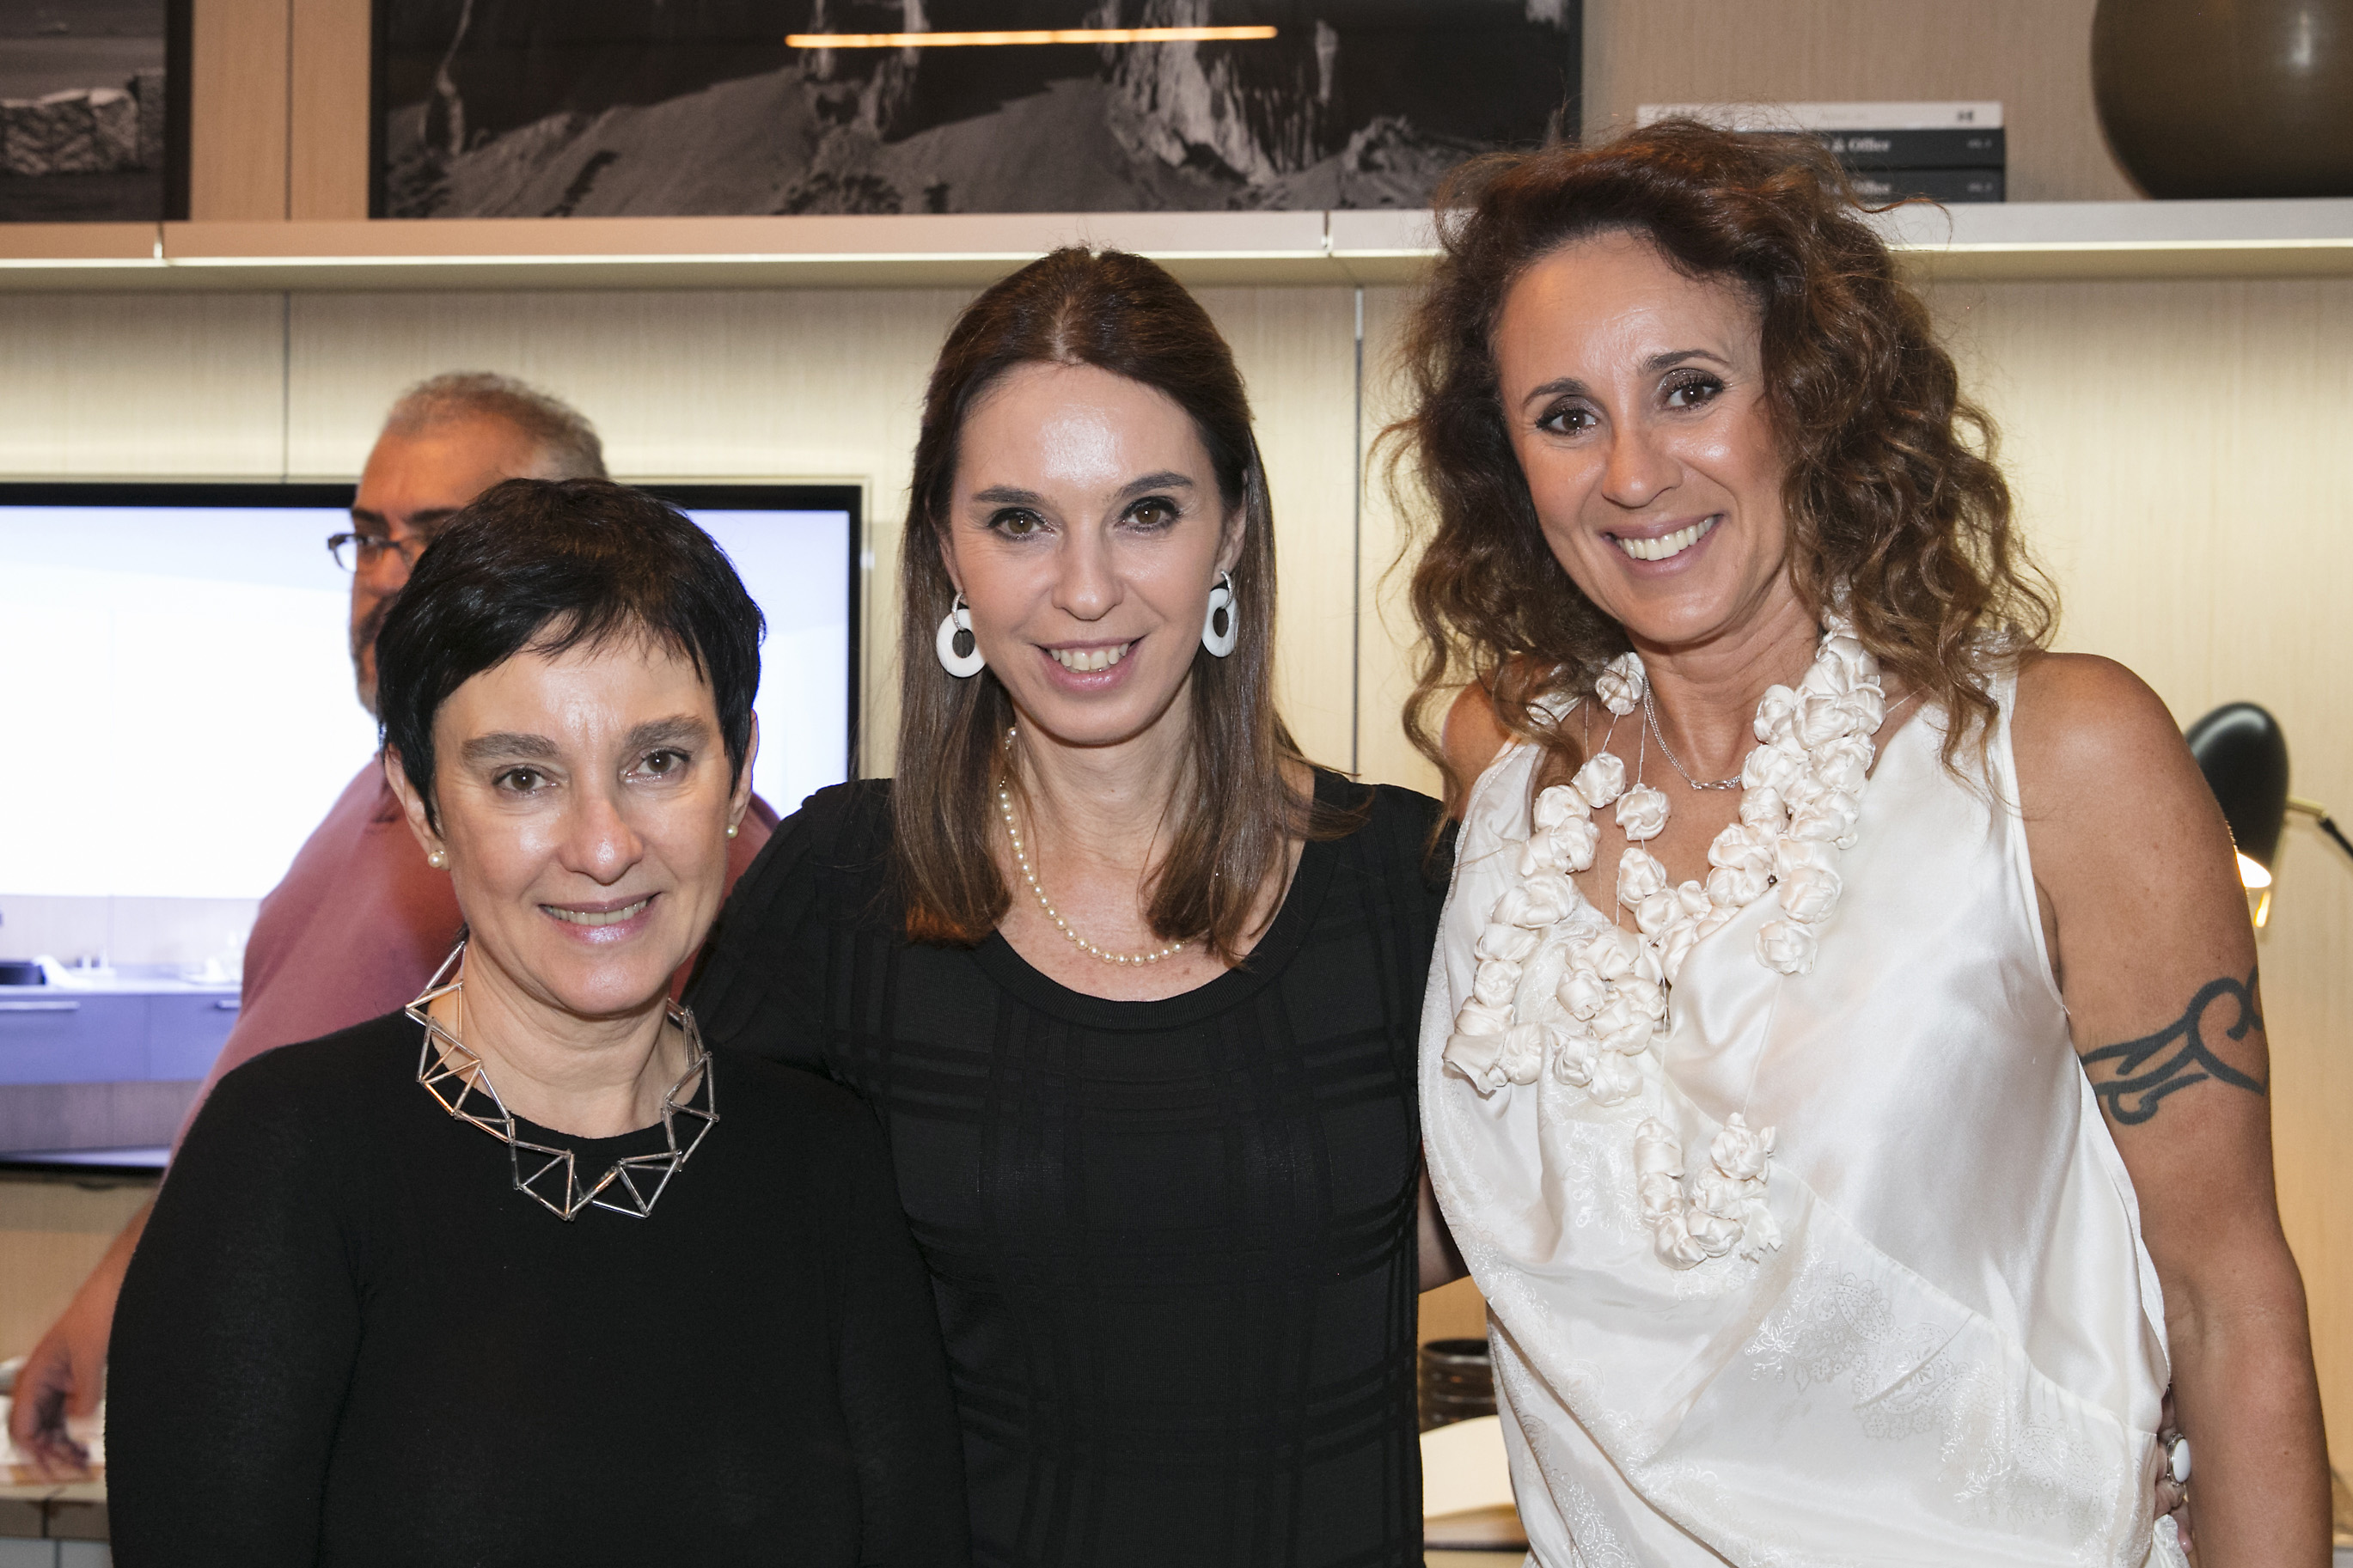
[176, 662]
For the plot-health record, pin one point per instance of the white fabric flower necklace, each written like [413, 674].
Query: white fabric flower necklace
[1551, 988]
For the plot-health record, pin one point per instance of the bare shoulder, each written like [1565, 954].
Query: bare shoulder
[1472, 736]
[2090, 736]
[2132, 858]
[2079, 711]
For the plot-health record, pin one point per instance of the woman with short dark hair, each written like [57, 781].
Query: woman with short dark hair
[525, 1273]
[1854, 1116]
[1133, 987]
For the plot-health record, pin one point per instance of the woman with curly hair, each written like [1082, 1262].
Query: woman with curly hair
[1854, 1112]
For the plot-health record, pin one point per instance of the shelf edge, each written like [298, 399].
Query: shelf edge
[2059, 240]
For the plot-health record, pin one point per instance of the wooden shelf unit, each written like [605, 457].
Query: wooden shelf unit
[1998, 240]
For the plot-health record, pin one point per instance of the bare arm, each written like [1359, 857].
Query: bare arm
[64, 1373]
[1440, 1264]
[2157, 960]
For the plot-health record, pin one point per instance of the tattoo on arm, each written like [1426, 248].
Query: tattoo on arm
[2134, 1078]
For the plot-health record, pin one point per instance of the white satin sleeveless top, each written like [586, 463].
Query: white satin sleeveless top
[1957, 1353]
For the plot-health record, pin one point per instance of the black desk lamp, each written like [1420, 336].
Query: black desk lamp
[2241, 752]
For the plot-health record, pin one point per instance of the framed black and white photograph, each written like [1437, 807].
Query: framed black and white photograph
[562, 107]
[92, 122]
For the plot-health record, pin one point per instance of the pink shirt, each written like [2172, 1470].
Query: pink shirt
[359, 924]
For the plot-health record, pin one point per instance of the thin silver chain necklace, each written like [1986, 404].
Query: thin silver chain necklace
[1651, 717]
[447, 1061]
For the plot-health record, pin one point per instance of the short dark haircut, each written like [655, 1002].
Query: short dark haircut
[548, 565]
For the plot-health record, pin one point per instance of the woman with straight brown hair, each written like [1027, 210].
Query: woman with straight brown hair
[1133, 987]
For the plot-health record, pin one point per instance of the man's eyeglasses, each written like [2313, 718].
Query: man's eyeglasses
[354, 551]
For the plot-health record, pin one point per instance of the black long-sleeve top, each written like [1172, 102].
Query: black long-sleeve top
[346, 1338]
[1173, 1242]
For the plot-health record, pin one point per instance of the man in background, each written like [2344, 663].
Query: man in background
[360, 922]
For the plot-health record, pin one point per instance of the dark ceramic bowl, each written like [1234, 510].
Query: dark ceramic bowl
[2254, 98]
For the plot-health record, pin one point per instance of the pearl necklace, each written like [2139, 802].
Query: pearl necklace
[1021, 858]
[1557, 984]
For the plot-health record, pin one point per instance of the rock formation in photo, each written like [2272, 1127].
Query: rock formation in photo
[873, 89]
[1261, 108]
[87, 130]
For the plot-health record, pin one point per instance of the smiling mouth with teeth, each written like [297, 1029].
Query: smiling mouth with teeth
[599, 916]
[1666, 544]
[1088, 661]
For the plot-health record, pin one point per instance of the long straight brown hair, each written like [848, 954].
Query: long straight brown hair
[1231, 819]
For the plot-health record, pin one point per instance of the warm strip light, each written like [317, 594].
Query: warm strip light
[1046, 36]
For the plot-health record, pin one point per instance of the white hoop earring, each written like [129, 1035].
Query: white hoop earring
[959, 650]
[1221, 626]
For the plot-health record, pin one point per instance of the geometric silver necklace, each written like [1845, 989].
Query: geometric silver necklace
[452, 1074]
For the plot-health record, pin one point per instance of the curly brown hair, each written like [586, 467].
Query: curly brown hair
[1892, 495]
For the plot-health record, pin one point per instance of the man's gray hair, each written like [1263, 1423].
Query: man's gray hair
[567, 443]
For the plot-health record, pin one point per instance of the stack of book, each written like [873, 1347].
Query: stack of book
[1891, 151]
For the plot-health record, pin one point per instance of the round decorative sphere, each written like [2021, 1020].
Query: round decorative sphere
[2251, 97]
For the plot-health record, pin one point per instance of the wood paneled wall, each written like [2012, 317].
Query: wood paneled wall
[2035, 56]
[142, 384]
[278, 109]
[327, 44]
[238, 73]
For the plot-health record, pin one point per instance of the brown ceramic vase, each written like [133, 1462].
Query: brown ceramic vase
[2228, 98]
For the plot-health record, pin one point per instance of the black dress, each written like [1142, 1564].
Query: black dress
[1173, 1242]
[346, 1339]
